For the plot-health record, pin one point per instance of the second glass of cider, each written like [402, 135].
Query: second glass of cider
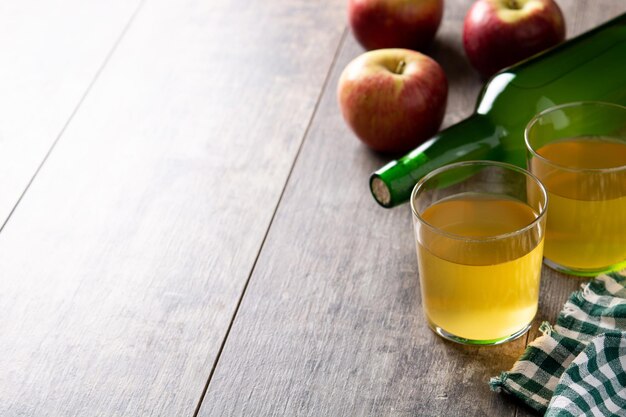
[578, 151]
[479, 229]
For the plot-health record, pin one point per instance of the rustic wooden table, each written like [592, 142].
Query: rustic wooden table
[186, 227]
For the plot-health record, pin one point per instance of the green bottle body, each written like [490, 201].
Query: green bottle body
[591, 66]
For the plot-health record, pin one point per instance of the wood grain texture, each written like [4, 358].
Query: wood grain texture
[123, 264]
[331, 322]
[51, 53]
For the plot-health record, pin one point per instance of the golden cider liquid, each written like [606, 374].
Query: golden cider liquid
[481, 289]
[586, 227]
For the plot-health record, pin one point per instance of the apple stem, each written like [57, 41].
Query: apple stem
[400, 67]
[513, 4]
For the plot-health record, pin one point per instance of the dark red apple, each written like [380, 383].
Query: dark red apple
[393, 99]
[499, 33]
[395, 23]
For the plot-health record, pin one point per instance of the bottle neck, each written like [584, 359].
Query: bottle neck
[471, 139]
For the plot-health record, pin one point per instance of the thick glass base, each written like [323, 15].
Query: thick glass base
[584, 272]
[449, 336]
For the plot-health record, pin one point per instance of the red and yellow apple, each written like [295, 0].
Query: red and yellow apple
[499, 33]
[409, 24]
[393, 99]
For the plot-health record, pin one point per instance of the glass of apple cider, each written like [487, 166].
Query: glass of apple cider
[578, 151]
[479, 228]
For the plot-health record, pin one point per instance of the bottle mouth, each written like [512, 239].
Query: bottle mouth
[380, 191]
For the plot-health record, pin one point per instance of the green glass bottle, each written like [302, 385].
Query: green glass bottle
[591, 66]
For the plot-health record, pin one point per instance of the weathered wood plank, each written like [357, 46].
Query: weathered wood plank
[123, 264]
[331, 322]
[51, 53]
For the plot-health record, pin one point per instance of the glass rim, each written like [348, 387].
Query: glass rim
[542, 113]
[420, 184]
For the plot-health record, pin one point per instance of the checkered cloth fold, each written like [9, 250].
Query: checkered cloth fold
[561, 365]
[595, 382]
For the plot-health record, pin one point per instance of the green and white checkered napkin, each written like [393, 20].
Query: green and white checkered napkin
[578, 367]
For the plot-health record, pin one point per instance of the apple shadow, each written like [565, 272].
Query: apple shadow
[450, 55]
[378, 158]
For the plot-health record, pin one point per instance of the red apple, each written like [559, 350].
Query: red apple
[393, 99]
[395, 23]
[499, 33]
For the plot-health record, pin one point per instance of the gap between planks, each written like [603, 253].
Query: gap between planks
[75, 110]
[269, 226]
